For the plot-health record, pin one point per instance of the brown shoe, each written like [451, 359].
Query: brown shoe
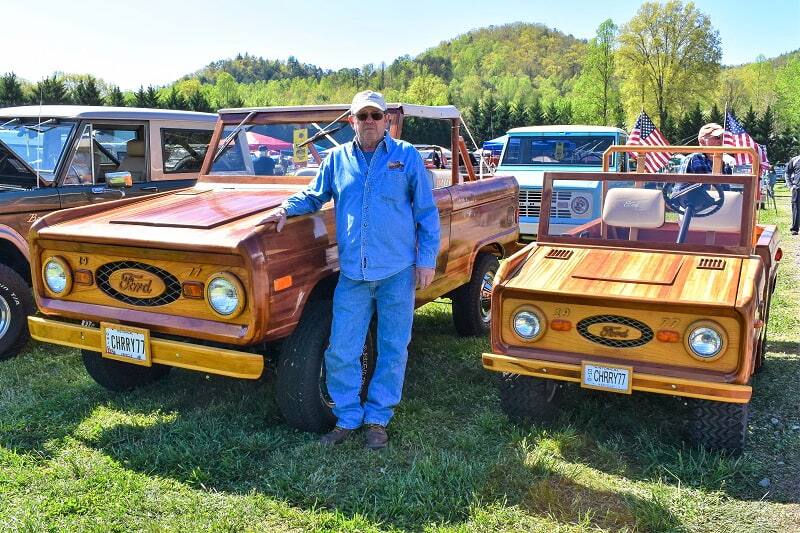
[336, 436]
[377, 438]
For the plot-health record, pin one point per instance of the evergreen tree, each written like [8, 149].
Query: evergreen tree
[50, 91]
[716, 115]
[669, 129]
[516, 115]
[534, 115]
[487, 122]
[10, 90]
[764, 128]
[86, 92]
[198, 102]
[565, 114]
[501, 118]
[115, 98]
[552, 116]
[174, 100]
[473, 118]
[152, 97]
[749, 120]
[140, 97]
[689, 125]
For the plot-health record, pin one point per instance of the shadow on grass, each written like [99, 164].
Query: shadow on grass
[787, 347]
[452, 449]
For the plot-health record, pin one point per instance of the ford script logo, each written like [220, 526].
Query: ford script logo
[615, 331]
[135, 282]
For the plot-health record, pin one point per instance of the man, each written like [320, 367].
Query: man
[263, 164]
[792, 178]
[387, 231]
[697, 163]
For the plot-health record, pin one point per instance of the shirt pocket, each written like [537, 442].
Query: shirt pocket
[394, 186]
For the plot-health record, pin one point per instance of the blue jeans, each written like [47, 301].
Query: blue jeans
[354, 303]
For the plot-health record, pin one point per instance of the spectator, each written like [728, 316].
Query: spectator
[792, 177]
[263, 164]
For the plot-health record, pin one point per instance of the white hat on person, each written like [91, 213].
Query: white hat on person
[367, 99]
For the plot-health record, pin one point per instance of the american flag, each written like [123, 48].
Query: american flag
[736, 135]
[645, 133]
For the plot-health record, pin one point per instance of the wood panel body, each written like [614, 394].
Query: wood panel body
[213, 227]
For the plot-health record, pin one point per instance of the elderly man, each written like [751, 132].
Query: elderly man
[387, 232]
[709, 135]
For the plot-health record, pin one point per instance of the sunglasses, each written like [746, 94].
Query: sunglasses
[376, 115]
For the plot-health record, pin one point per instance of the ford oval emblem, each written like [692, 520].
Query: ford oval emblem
[615, 331]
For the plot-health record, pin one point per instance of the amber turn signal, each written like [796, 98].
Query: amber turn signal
[83, 277]
[560, 325]
[193, 290]
[667, 335]
[282, 283]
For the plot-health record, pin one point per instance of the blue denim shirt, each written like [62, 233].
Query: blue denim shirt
[386, 218]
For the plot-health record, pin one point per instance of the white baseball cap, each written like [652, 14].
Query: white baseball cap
[367, 99]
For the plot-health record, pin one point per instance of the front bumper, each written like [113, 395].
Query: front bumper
[690, 388]
[210, 359]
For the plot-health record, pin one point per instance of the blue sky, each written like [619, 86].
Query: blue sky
[155, 42]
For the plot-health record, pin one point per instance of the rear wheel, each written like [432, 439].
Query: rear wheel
[16, 303]
[472, 302]
[301, 389]
[526, 400]
[719, 425]
[118, 376]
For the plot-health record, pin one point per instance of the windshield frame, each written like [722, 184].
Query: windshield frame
[744, 247]
[613, 137]
[46, 177]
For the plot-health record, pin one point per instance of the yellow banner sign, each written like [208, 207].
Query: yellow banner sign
[300, 154]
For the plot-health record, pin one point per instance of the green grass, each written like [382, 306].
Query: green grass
[197, 453]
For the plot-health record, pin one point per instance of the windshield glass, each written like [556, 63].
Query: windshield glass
[653, 213]
[273, 149]
[40, 147]
[578, 151]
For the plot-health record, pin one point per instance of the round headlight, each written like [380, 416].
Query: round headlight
[705, 342]
[57, 275]
[527, 324]
[225, 295]
[579, 205]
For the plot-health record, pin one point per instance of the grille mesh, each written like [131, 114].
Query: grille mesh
[530, 203]
[711, 264]
[172, 292]
[644, 329]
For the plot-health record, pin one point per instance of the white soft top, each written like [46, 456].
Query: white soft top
[409, 110]
[104, 113]
[567, 128]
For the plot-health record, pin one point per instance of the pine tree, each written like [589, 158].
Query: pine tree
[198, 102]
[565, 114]
[152, 97]
[115, 98]
[501, 118]
[10, 90]
[689, 125]
[516, 115]
[86, 92]
[716, 115]
[174, 100]
[487, 121]
[552, 115]
[764, 129]
[140, 97]
[749, 120]
[534, 115]
[50, 91]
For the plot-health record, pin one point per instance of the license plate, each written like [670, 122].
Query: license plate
[613, 378]
[125, 343]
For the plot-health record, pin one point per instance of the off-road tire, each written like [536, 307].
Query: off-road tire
[719, 425]
[527, 400]
[470, 316]
[118, 376]
[17, 297]
[299, 383]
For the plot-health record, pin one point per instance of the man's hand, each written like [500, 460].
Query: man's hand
[276, 215]
[424, 277]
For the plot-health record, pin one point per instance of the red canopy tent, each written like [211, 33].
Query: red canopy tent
[254, 140]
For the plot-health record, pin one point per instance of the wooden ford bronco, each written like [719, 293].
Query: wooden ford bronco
[188, 280]
[668, 291]
[56, 157]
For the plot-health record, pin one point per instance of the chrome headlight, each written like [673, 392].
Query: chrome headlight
[57, 276]
[705, 341]
[527, 323]
[225, 295]
[579, 205]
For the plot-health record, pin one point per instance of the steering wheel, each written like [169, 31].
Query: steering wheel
[692, 200]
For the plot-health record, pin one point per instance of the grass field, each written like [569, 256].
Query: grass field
[204, 453]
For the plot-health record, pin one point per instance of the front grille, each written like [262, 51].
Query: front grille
[644, 330]
[530, 203]
[172, 292]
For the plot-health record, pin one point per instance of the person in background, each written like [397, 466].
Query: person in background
[263, 164]
[792, 177]
[387, 234]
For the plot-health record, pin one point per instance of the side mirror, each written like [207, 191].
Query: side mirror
[117, 180]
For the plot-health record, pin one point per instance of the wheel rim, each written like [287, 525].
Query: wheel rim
[485, 298]
[323, 385]
[5, 317]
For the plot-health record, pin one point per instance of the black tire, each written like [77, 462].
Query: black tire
[719, 425]
[16, 303]
[471, 303]
[118, 376]
[527, 400]
[300, 381]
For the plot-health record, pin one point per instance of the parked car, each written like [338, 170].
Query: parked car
[667, 291]
[187, 279]
[531, 151]
[57, 157]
